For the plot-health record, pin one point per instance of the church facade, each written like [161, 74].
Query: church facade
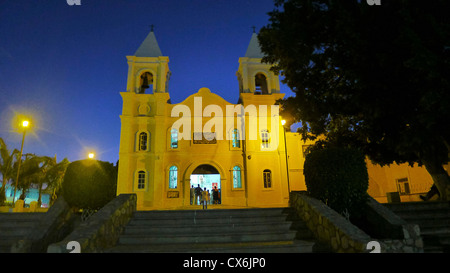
[242, 150]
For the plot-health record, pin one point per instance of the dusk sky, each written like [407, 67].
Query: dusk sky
[65, 65]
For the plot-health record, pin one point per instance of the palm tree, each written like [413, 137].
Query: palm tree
[34, 170]
[53, 174]
[30, 172]
[6, 167]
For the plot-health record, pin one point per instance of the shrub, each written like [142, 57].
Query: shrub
[89, 184]
[339, 178]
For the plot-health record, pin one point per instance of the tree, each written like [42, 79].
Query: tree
[373, 77]
[30, 172]
[40, 170]
[6, 167]
[89, 184]
[54, 175]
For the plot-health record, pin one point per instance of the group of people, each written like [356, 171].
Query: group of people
[203, 196]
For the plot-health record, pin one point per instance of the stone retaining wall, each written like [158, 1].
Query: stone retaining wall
[395, 234]
[102, 229]
[342, 236]
[328, 226]
[53, 226]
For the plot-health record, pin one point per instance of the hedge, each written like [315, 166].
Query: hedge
[89, 184]
[339, 178]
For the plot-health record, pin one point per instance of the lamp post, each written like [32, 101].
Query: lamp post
[283, 122]
[25, 124]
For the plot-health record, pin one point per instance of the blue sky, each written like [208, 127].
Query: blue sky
[65, 65]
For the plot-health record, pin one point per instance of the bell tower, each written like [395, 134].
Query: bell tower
[143, 120]
[254, 76]
[148, 70]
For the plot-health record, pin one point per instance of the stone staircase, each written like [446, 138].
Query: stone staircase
[14, 226]
[433, 219]
[218, 231]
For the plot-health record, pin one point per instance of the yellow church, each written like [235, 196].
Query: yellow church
[241, 150]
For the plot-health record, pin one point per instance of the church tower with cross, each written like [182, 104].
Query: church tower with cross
[254, 76]
[151, 67]
[143, 112]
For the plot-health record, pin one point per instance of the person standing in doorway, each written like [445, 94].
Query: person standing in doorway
[192, 193]
[205, 197]
[198, 194]
[216, 195]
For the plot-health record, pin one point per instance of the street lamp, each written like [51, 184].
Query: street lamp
[25, 124]
[283, 122]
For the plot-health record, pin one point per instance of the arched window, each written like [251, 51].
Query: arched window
[261, 84]
[141, 180]
[265, 139]
[143, 141]
[146, 82]
[174, 139]
[173, 177]
[267, 177]
[235, 139]
[237, 182]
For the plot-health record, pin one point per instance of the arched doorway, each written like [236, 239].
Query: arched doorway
[206, 176]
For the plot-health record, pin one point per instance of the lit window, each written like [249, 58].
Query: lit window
[267, 176]
[143, 141]
[265, 139]
[174, 138]
[141, 180]
[236, 143]
[173, 174]
[237, 183]
[403, 186]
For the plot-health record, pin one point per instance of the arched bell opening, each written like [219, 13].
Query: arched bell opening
[261, 84]
[146, 82]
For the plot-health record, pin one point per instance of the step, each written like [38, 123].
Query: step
[209, 238]
[204, 220]
[433, 249]
[7, 216]
[14, 231]
[430, 223]
[17, 224]
[435, 230]
[217, 213]
[208, 227]
[426, 214]
[417, 206]
[297, 246]
[9, 240]
[301, 232]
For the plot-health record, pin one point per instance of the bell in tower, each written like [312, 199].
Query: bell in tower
[146, 82]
